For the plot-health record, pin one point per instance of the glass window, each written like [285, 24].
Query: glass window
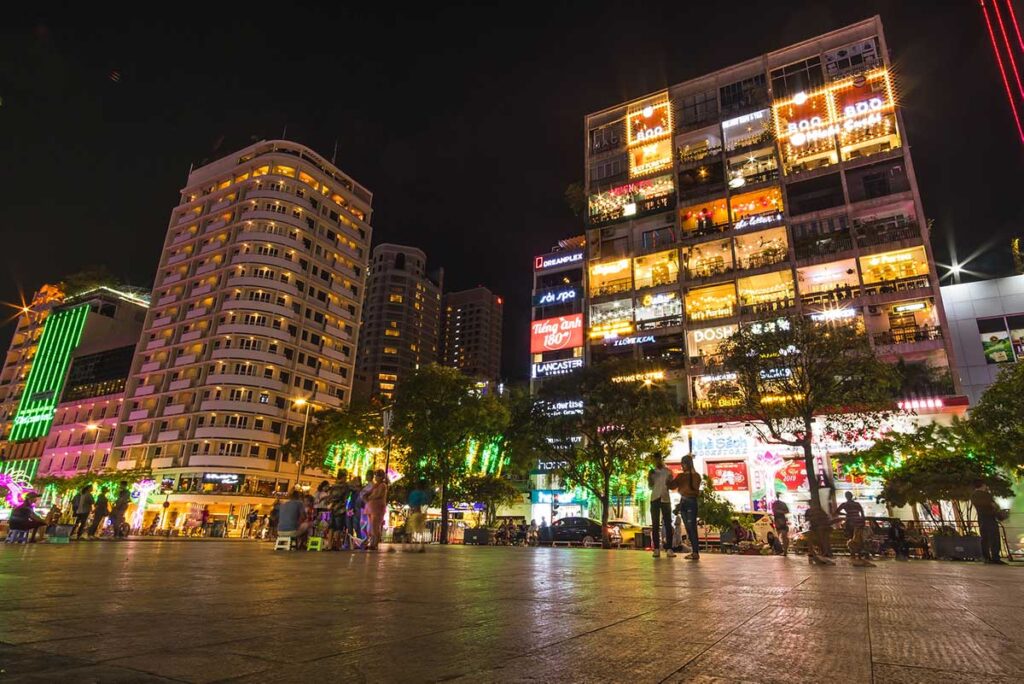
[744, 94]
[284, 170]
[708, 259]
[609, 277]
[708, 303]
[659, 237]
[797, 77]
[611, 318]
[895, 271]
[631, 200]
[702, 179]
[656, 269]
[766, 293]
[657, 310]
[749, 130]
[852, 59]
[865, 110]
[764, 248]
[704, 218]
[699, 108]
[704, 343]
[758, 208]
[699, 145]
[828, 284]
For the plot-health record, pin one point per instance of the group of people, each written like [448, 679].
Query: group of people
[89, 512]
[347, 515]
[662, 481]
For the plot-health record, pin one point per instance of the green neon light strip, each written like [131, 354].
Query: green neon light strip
[24, 467]
[61, 334]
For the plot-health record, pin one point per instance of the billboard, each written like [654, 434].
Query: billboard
[555, 334]
[61, 333]
[546, 369]
[558, 295]
[546, 261]
[729, 476]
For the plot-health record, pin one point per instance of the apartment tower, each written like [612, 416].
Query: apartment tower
[472, 332]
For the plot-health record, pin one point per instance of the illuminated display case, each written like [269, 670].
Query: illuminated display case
[761, 208]
[829, 283]
[610, 277]
[698, 146]
[659, 310]
[651, 270]
[709, 303]
[896, 271]
[632, 200]
[760, 249]
[705, 218]
[708, 259]
[611, 318]
[767, 292]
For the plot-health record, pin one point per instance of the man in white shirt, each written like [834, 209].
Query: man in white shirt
[661, 505]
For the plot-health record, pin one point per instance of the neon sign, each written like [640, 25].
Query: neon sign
[629, 341]
[758, 220]
[17, 487]
[652, 122]
[556, 296]
[557, 259]
[560, 367]
[554, 334]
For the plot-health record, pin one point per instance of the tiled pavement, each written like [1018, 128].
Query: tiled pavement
[202, 612]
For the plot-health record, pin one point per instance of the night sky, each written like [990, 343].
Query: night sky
[466, 123]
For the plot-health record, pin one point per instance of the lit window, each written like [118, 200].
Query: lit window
[395, 298]
[387, 376]
[390, 350]
[391, 332]
[387, 385]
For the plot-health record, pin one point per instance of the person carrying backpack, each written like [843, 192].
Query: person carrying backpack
[688, 484]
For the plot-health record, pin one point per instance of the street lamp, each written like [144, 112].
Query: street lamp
[300, 402]
[94, 427]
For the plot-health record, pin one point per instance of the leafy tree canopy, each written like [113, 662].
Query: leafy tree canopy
[998, 419]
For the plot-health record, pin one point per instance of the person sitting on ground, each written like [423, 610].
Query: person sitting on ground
[775, 544]
[818, 545]
[291, 517]
[25, 519]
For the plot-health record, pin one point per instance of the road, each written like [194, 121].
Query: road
[211, 611]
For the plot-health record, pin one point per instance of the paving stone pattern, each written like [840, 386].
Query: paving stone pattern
[203, 612]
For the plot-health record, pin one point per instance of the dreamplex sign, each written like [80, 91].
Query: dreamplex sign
[557, 259]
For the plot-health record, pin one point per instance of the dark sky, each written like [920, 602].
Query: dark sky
[465, 122]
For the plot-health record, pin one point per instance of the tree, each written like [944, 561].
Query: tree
[786, 376]
[438, 411]
[998, 419]
[576, 199]
[89, 278]
[714, 511]
[338, 438]
[491, 491]
[624, 417]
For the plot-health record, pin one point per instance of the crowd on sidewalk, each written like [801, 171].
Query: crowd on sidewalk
[87, 515]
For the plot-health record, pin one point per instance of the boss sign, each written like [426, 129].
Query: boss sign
[553, 334]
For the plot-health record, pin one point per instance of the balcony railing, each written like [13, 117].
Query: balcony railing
[707, 270]
[760, 177]
[908, 335]
[706, 230]
[840, 293]
[899, 285]
[696, 156]
[774, 306]
[762, 259]
[612, 287]
[881, 234]
[823, 246]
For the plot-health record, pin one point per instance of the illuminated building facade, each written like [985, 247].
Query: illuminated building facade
[73, 383]
[471, 329]
[557, 326]
[401, 320]
[778, 186]
[256, 306]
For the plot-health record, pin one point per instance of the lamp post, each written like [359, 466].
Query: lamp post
[300, 402]
[94, 427]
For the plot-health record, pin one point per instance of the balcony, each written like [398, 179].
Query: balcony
[706, 230]
[206, 268]
[172, 278]
[163, 462]
[193, 335]
[885, 232]
[144, 390]
[823, 246]
[901, 285]
[710, 315]
[150, 367]
[198, 311]
[907, 336]
[245, 380]
[241, 407]
[178, 258]
[185, 360]
[247, 354]
[130, 440]
[708, 269]
[612, 287]
[200, 290]
[837, 295]
[697, 156]
[167, 299]
[162, 321]
[776, 306]
[769, 257]
[183, 383]
[168, 435]
[139, 414]
[174, 409]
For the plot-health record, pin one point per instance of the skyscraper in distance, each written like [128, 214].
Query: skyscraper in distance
[472, 332]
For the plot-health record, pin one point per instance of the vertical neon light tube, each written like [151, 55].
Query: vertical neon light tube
[1016, 24]
[1009, 48]
[1002, 71]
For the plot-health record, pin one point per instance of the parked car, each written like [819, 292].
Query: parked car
[627, 530]
[578, 530]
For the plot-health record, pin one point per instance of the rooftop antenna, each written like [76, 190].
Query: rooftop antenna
[334, 155]
[284, 133]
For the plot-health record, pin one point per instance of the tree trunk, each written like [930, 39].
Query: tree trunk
[606, 542]
[444, 513]
[812, 476]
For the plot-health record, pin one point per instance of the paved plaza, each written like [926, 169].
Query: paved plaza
[211, 611]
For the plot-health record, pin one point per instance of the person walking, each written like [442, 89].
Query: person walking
[854, 525]
[988, 522]
[780, 516]
[820, 524]
[100, 513]
[376, 508]
[419, 499]
[250, 524]
[658, 480]
[124, 497]
[353, 514]
[82, 510]
[688, 484]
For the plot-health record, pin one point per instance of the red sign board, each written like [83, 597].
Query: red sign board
[793, 475]
[554, 334]
[729, 476]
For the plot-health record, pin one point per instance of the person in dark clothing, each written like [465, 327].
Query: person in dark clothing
[100, 513]
[688, 483]
[124, 497]
[898, 540]
[82, 509]
[24, 517]
[988, 522]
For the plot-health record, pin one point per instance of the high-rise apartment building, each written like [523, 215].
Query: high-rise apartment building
[71, 359]
[472, 332]
[401, 320]
[255, 316]
[779, 186]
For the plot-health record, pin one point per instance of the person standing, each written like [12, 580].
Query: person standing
[275, 517]
[688, 484]
[658, 480]
[124, 497]
[250, 524]
[988, 522]
[100, 512]
[854, 524]
[82, 510]
[353, 513]
[419, 499]
[780, 515]
[376, 508]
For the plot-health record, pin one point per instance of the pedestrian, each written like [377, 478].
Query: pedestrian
[898, 539]
[100, 512]
[989, 514]
[531, 533]
[775, 545]
[854, 524]
[376, 508]
[820, 529]
[419, 499]
[353, 513]
[658, 480]
[364, 520]
[337, 518]
[780, 516]
[291, 517]
[24, 518]
[124, 497]
[83, 508]
[204, 521]
[275, 518]
[250, 524]
[322, 508]
[688, 484]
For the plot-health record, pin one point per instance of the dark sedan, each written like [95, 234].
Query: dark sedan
[577, 530]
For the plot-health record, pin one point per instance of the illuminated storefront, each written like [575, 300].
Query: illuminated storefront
[896, 271]
[652, 270]
[764, 248]
[905, 322]
[658, 310]
[708, 217]
[709, 303]
[767, 293]
[632, 200]
[610, 277]
[704, 343]
[708, 259]
[715, 392]
[750, 146]
[611, 318]
[762, 208]
[828, 284]
[649, 131]
[698, 146]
